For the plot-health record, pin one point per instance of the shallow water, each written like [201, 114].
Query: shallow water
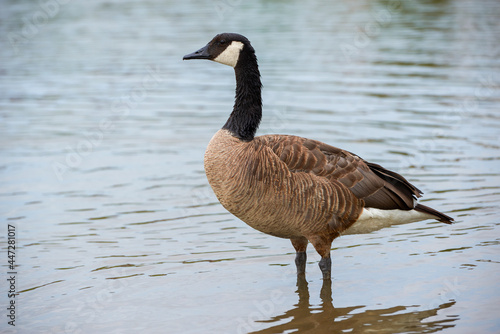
[101, 165]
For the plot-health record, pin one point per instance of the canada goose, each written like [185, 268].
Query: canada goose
[292, 187]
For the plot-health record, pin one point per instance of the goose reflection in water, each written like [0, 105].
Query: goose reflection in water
[325, 318]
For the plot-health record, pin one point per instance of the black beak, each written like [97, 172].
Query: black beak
[200, 54]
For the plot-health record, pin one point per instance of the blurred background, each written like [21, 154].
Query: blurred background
[103, 130]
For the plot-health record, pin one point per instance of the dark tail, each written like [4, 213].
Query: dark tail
[439, 216]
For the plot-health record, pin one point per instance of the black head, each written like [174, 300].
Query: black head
[224, 48]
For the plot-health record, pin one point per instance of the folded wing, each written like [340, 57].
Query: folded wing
[378, 187]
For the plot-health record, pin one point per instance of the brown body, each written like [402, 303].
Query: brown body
[278, 186]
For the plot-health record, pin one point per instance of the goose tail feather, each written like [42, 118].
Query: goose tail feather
[439, 215]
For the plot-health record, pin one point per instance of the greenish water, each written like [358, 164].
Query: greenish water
[101, 165]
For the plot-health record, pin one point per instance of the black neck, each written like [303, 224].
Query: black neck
[247, 111]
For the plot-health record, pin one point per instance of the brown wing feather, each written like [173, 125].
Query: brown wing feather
[377, 186]
[301, 157]
[401, 192]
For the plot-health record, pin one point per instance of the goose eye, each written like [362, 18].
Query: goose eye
[222, 42]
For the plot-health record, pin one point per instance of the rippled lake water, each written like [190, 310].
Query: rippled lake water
[104, 128]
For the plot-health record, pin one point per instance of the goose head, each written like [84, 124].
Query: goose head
[225, 48]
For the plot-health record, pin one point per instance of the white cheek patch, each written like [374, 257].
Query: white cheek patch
[231, 54]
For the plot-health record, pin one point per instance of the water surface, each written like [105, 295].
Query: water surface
[101, 164]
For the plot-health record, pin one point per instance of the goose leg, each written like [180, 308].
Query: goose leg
[300, 262]
[325, 264]
[300, 245]
[322, 244]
